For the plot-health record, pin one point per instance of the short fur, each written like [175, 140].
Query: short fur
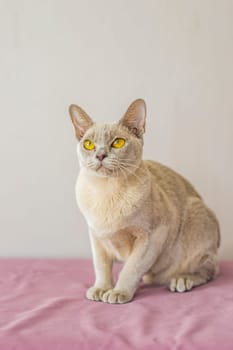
[140, 212]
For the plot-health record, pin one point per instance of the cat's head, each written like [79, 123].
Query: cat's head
[110, 149]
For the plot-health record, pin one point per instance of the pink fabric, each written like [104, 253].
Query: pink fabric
[43, 307]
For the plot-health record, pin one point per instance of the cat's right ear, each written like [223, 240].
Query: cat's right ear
[80, 120]
[135, 117]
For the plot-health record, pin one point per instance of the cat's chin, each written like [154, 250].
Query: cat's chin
[103, 172]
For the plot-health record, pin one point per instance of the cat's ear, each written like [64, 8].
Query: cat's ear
[135, 117]
[80, 120]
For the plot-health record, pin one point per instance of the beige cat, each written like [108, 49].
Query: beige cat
[139, 212]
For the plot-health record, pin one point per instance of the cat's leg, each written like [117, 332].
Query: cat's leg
[146, 249]
[149, 278]
[103, 270]
[200, 240]
[184, 283]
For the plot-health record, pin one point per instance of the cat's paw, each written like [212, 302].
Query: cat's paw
[181, 284]
[95, 293]
[114, 296]
[148, 278]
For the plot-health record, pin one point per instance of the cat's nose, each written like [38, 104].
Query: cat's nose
[101, 156]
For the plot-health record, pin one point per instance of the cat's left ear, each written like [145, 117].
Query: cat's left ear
[80, 120]
[135, 117]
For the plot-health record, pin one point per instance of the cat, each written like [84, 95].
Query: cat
[139, 212]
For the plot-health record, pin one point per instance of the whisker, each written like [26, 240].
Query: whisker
[122, 171]
[132, 173]
[131, 164]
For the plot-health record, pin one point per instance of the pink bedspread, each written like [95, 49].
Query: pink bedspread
[43, 307]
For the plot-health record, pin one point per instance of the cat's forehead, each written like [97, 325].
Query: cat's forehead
[102, 133]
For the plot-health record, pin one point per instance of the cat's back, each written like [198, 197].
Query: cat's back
[170, 181]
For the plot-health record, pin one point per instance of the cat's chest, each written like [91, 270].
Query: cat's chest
[119, 246]
[106, 205]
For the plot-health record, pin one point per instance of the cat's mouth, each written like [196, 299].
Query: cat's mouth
[103, 170]
[100, 166]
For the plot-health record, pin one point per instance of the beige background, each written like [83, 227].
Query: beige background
[177, 54]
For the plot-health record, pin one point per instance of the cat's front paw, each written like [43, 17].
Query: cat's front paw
[95, 293]
[114, 296]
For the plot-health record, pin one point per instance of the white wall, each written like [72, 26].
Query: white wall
[177, 54]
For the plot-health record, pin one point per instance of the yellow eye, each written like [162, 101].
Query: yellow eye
[87, 144]
[118, 143]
